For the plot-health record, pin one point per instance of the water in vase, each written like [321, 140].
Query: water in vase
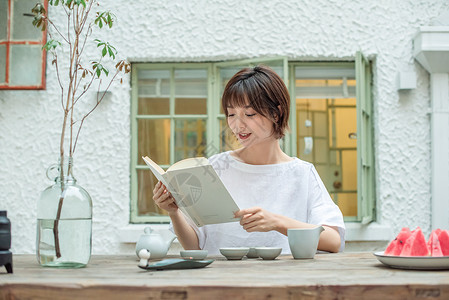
[74, 242]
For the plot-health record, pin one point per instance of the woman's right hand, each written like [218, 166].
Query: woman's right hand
[164, 199]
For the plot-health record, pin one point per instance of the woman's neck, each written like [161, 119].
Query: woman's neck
[262, 154]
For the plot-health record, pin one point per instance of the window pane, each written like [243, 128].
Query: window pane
[154, 141]
[319, 123]
[191, 91]
[153, 106]
[349, 170]
[304, 152]
[26, 65]
[331, 122]
[347, 202]
[325, 88]
[145, 204]
[339, 120]
[154, 92]
[22, 27]
[2, 63]
[190, 138]
[3, 19]
[321, 150]
[190, 106]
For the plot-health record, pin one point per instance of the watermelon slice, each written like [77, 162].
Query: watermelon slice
[433, 244]
[392, 248]
[415, 244]
[395, 247]
[443, 237]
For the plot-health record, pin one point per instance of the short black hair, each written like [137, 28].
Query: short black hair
[264, 90]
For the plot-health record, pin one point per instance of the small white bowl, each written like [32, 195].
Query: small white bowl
[268, 253]
[252, 253]
[234, 253]
[194, 254]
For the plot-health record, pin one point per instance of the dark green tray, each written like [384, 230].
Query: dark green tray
[177, 263]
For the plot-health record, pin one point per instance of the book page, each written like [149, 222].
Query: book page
[154, 166]
[189, 163]
[202, 196]
[157, 171]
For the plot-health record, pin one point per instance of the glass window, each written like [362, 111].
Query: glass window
[169, 124]
[326, 120]
[22, 62]
[176, 114]
[191, 91]
[190, 138]
[154, 92]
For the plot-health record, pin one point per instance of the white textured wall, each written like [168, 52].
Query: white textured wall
[200, 30]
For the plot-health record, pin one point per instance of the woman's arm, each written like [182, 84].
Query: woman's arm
[185, 233]
[259, 219]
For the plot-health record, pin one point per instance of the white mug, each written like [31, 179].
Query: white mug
[303, 242]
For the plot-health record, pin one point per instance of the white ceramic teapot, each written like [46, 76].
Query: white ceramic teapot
[156, 243]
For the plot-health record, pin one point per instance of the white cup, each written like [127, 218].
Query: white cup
[303, 242]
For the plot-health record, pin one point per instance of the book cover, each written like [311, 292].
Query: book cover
[198, 190]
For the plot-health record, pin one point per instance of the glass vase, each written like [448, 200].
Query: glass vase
[64, 220]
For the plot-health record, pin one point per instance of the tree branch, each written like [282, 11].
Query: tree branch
[57, 30]
[98, 102]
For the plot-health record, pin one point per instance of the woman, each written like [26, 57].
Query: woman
[276, 191]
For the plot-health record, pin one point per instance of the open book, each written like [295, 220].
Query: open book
[198, 191]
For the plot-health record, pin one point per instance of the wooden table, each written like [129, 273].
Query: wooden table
[328, 276]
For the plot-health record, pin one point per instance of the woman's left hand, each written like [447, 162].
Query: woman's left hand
[257, 219]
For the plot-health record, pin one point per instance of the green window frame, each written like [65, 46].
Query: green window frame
[135, 117]
[322, 97]
[215, 71]
[365, 146]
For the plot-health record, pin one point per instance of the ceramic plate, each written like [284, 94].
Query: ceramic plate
[415, 262]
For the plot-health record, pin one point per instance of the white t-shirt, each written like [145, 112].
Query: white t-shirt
[292, 189]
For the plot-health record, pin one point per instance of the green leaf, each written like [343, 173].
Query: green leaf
[109, 20]
[98, 19]
[51, 45]
[103, 53]
[111, 54]
[38, 9]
